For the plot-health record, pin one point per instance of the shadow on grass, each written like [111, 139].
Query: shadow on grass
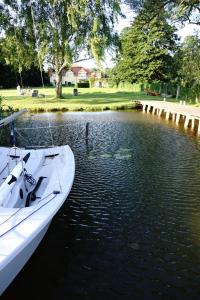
[85, 98]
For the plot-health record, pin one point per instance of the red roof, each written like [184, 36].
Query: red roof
[75, 69]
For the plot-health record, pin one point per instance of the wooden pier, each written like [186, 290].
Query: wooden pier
[179, 113]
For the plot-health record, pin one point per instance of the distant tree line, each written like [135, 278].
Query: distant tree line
[29, 78]
[11, 75]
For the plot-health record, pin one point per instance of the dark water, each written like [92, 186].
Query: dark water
[131, 227]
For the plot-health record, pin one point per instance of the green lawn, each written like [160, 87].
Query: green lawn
[89, 99]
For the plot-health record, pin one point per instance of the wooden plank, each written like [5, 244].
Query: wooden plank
[12, 117]
[174, 107]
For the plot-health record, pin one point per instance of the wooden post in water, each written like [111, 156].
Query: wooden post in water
[170, 115]
[198, 126]
[144, 107]
[153, 110]
[87, 137]
[160, 112]
[167, 115]
[187, 121]
[87, 130]
[193, 123]
[173, 116]
[149, 108]
[178, 116]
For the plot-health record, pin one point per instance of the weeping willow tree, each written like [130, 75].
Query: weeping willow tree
[59, 30]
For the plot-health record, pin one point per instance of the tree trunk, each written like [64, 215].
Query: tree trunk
[59, 85]
[178, 91]
[21, 81]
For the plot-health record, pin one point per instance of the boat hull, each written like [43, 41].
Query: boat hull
[10, 271]
[23, 227]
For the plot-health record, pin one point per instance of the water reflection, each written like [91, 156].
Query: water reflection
[130, 229]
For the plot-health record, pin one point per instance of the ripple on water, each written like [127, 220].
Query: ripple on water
[131, 226]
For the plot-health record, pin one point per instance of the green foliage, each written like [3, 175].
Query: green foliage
[91, 81]
[191, 58]
[17, 53]
[188, 61]
[146, 51]
[7, 76]
[179, 10]
[85, 84]
[1, 105]
[57, 31]
[4, 107]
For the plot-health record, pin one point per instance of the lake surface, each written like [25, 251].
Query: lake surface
[131, 226]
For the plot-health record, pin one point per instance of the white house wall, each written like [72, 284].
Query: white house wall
[53, 78]
[70, 77]
[82, 75]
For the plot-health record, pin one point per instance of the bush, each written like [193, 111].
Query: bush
[85, 84]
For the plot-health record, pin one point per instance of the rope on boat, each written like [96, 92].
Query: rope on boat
[4, 168]
[40, 127]
[23, 208]
[11, 216]
[54, 193]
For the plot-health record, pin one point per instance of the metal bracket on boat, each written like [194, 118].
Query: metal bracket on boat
[56, 192]
[14, 156]
[51, 155]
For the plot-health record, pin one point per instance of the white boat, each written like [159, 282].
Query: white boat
[34, 184]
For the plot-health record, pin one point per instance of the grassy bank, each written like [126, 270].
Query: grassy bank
[94, 99]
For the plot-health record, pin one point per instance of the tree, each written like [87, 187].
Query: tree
[18, 52]
[180, 10]
[59, 30]
[146, 50]
[189, 64]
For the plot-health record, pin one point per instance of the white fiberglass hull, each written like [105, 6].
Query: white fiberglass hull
[10, 270]
[23, 227]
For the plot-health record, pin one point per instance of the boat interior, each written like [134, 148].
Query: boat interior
[26, 177]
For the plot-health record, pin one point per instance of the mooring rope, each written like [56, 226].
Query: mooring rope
[40, 127]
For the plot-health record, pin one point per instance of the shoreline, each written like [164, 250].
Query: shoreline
[88, 100]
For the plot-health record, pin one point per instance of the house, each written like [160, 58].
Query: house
[98, 79]
[71, 75]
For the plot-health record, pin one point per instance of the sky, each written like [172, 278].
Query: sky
[183, 32]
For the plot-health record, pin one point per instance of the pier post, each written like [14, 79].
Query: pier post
[193, 123]
[198, 126]
[153, 110]
[149, 108]
[144, 107]
[173, 116]
[187, 122]
[167, 115]
[160, 112]
[178, 117]
[180, 114]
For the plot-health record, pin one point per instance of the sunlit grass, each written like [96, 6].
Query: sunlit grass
[89, 99]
